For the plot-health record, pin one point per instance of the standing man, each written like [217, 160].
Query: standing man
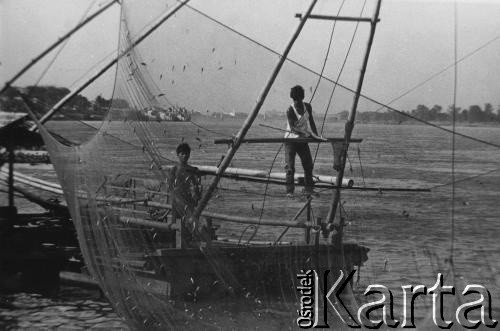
[300, 124]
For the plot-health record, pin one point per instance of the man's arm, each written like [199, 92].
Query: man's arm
[291, 117]
[311, 119]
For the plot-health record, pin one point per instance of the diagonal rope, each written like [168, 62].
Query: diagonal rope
[265, 194]
[63, 46]
[435, 125]
[438, 73]
[465, 179]
[455, 81]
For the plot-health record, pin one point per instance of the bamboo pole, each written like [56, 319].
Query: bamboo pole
[283, 140]
[34, 179]
[10, 151]
[149, 224]
[54, 45]
[36, 185]
[249, 121]
[350, 125]
[338, 18]
[99, 73]
[240, 219]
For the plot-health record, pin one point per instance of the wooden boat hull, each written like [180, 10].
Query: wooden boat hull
[267, 272]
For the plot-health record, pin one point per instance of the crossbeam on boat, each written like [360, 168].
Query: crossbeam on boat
[240, 219]
[148, 223]
[284, 140]
[328, 185]
[338, 18]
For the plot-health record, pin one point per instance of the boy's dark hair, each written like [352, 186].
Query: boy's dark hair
[184, 147]
[297, 93]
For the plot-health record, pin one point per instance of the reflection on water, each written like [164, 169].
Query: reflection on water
[73, 308]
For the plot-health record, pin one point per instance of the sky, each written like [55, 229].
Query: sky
[414, 40]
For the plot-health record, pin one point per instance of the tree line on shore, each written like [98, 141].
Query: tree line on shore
[42, 98]
[472, 114]
[81, 108]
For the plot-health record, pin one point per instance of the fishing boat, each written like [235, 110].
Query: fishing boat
[238, 253]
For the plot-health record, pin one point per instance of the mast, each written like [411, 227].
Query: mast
[249, 120]
[349, 126]
[54, 45]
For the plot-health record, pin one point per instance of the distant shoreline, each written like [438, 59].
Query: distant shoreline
[8, 117]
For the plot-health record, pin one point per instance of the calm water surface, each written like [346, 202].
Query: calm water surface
[410, 234]
[73, 309]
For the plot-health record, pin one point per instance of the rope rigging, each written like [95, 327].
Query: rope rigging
[348, 88]
[351, 42]
[455, 81]
[63, 46]
[320, 75]
[382, 105]
[327, 52]
[312, 97]
[438, 73]
[54, 45]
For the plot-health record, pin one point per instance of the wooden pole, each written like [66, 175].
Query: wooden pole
[350, 125]
[54, 45]
[307, 231]
[99, 73]
[245, 220]
[337, 239]
[149, 224]
[283, 140]
[338, 18]
[11, 176]
[249, 121]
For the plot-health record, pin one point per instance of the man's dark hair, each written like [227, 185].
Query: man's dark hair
[297, 93]
[184, 147]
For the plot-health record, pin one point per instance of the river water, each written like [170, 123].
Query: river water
[73, 308]
[411, 235]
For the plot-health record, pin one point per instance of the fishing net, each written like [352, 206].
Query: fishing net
[194, 79]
